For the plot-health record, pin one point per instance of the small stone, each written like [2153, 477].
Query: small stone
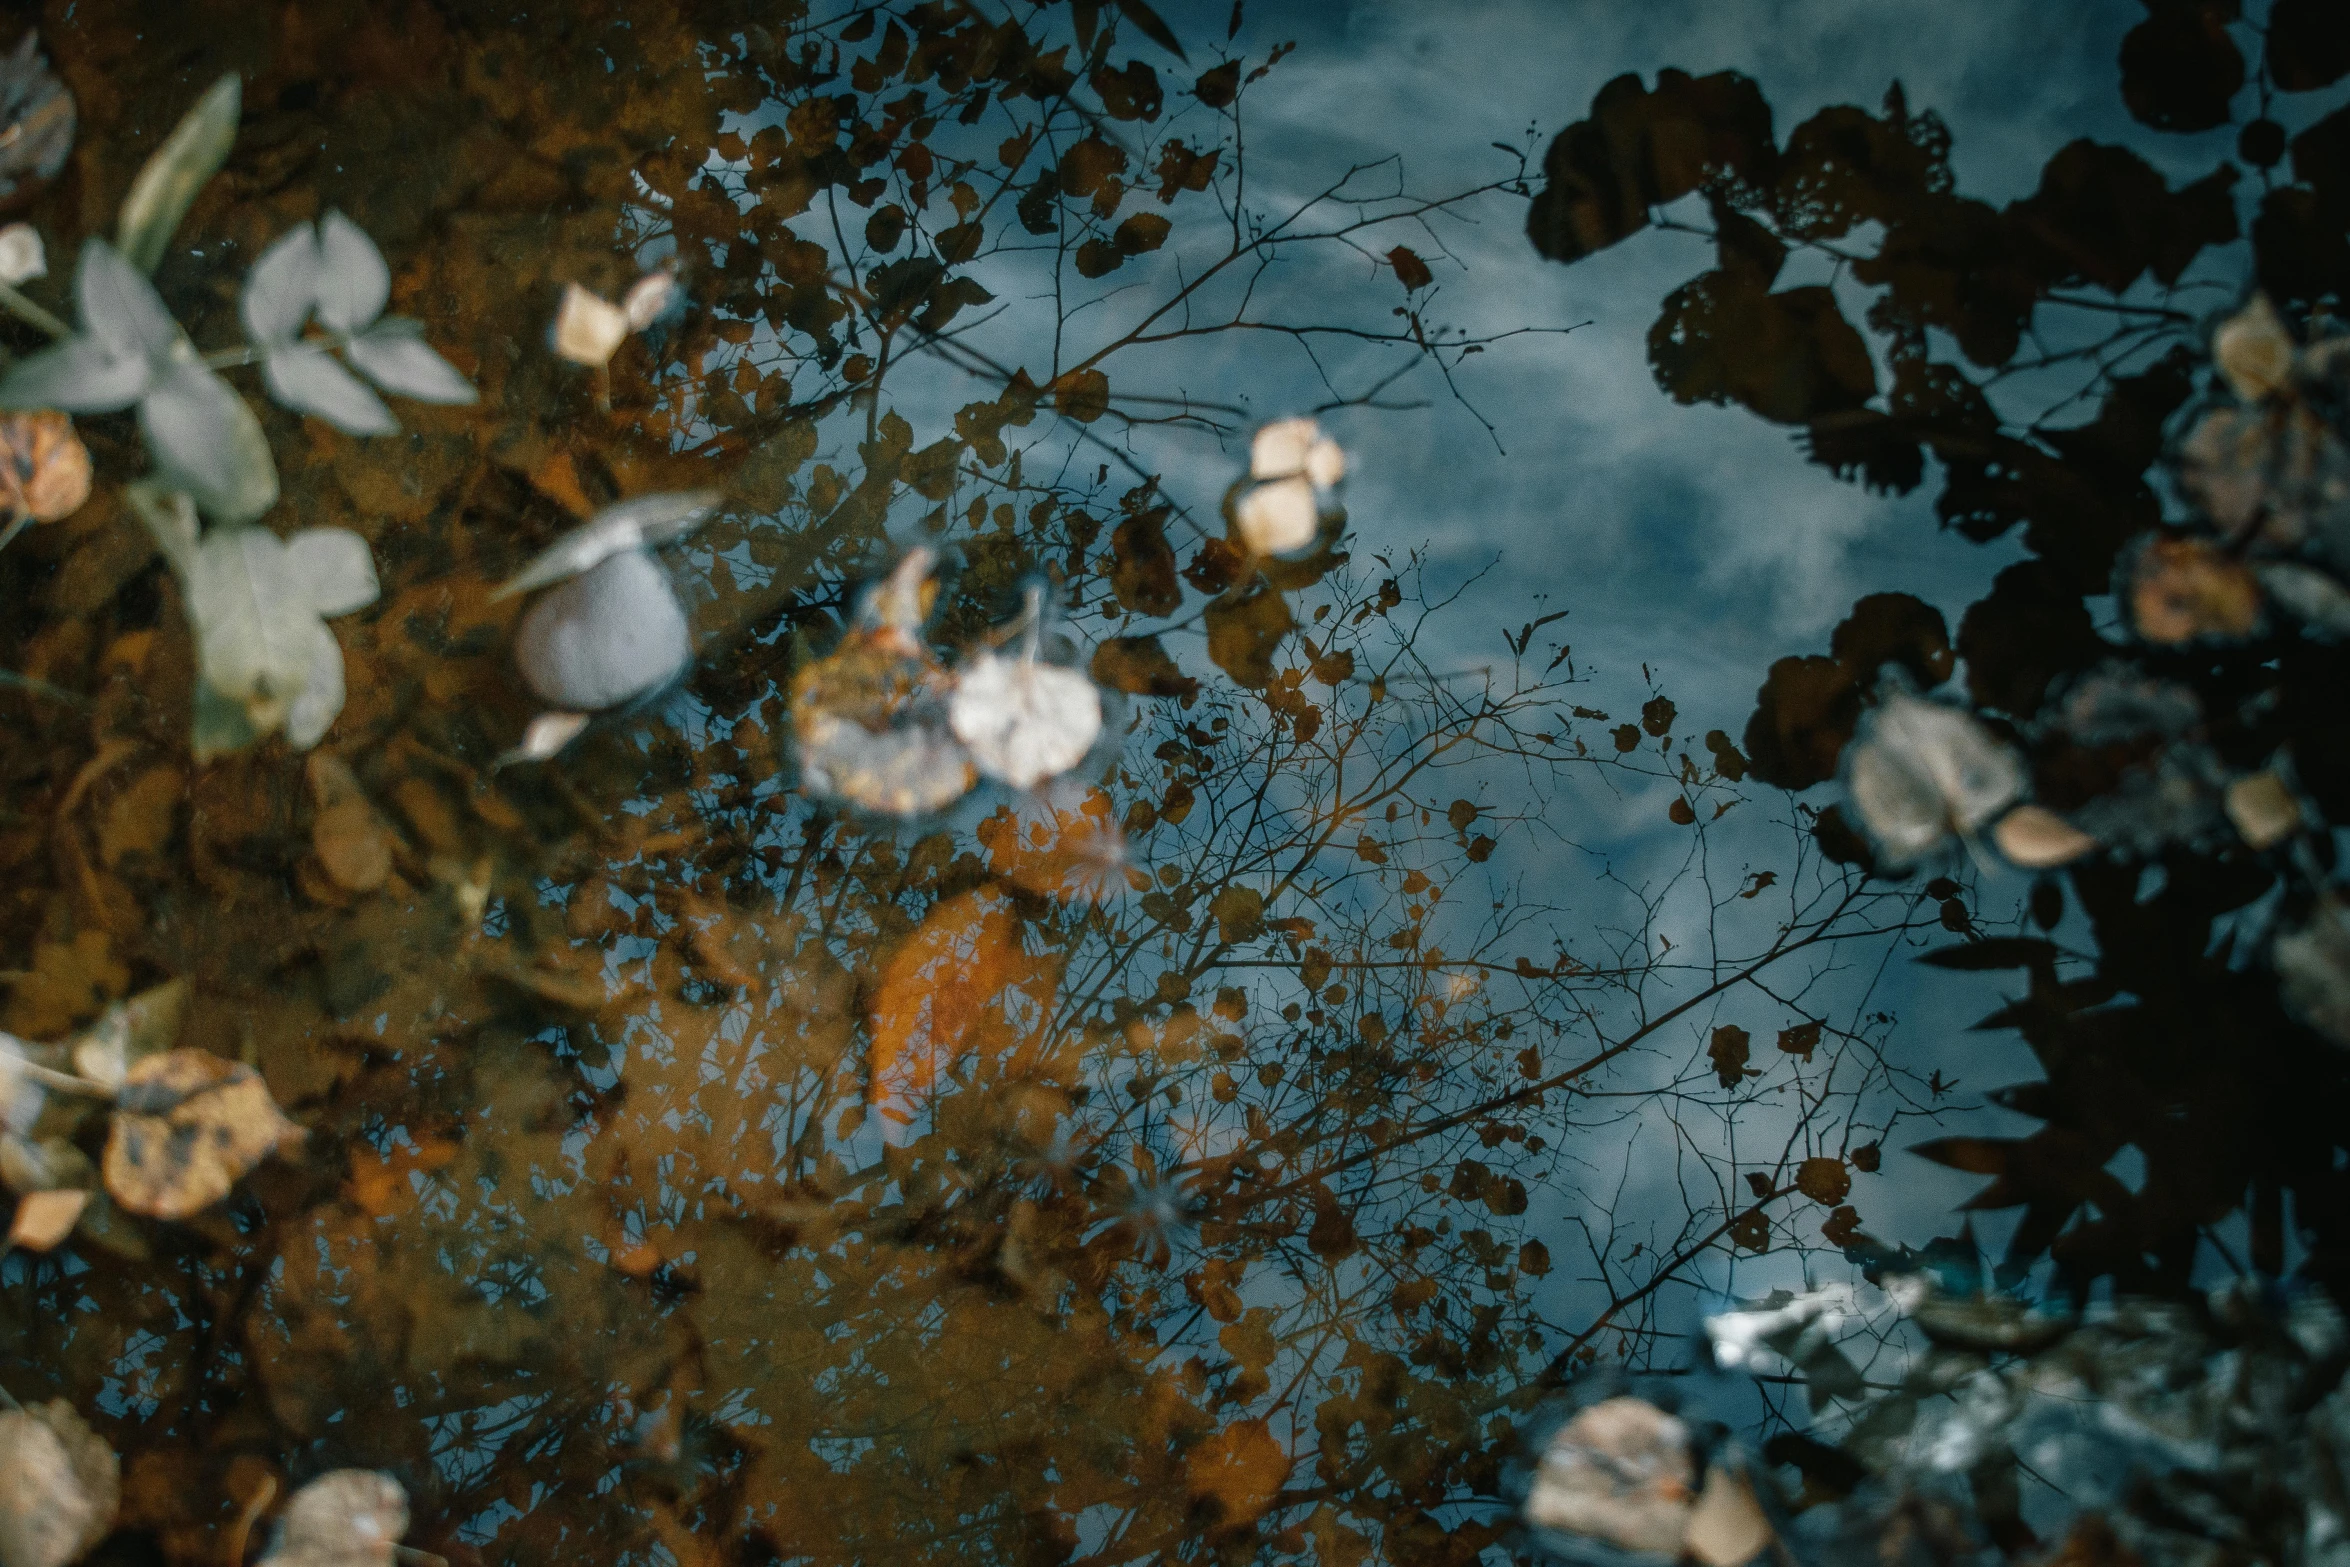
[605, 637]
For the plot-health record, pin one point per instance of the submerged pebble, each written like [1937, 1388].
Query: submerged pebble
[607, 636]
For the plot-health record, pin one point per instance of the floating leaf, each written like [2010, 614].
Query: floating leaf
[353, 283]
[650, 297]
[344, 1518]
[393, 354]
[22, 256]
[282, 287]
[638, 523]
[870, 718]
[942, 993]
[1623, 1472]
[59, 1486]
[2035, 838]
[21, 1098]
[206, 441]
[1921, 770]
[1024, 721]
[545, 736]
[130, 1031]
[189, 157]
[308, 380]
[1727, 1526]
[605, 638]
[36, 121]
[2254, 352]
[1245, 631]
[1141, 666]
[187, 1127]
[588, 329]
[1278, 518]
[44, 1219]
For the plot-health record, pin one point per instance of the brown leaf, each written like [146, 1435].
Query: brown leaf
[1141, 666]
[44, 468]
[349, 837]
[1728, 1526]
[1728, 1052]
[187, 1127]
[1142, 570]
[1241, 1469]
[45, 1218]
[1084, 395]
[1244, 632]
[1823, 1180]
[1800, 1040]
[1410, 270]
[948, 990]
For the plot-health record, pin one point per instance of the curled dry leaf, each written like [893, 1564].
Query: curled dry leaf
[589, 328]
[871, 717]
[22, 255]
[605, 638]
[45, 1218]
[187, 1127]
[2034, 838]
[1921, 770]
[2183, 590]
[1621, 1472]
[59, 1486]
[649, 298]
[1728, 1525]
[344, 1518]
[44, 469]
[2263, 809]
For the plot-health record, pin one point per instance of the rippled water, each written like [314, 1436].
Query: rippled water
[1422, 993]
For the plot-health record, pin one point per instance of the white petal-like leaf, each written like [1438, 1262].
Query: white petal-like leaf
[1921, 770]
[309, 380]
[22, 255]
[207, 442]
[119, 307]
[547, 735]
[608, 637]
[633, 524]
[190, 156]
[1023, 721]
[256, 630]
[588, 328]
[313, 710]
[393, 355]
[353, 282]
[334, 567]
[282, 287]
[648, 299]
[82, 375]
[1278, 516]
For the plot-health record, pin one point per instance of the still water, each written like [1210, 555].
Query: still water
[885, 930]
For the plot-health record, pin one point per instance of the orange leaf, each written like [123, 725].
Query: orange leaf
[1241, 1468]
[945, 992]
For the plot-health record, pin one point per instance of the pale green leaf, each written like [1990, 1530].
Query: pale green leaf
[282, 287]
[119, 307]
[393, 355]
[309, 380]
[207, 442]
[633, 524]
[79, 376]
[334, 568]
[165, 188]
[353, 282]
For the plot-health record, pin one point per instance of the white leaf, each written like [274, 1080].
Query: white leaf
[547, 734]
[169, 517]
[309, 380]
[646, 301]
[313, 710]
[119, 306]
[59, 1486]
[20, 1097]
[1279, 449]
[604, 638]
[1921, 770]
[392, 353]
[334, 567]
[353, 282]
[207, 442]
[588, 328]
[256, 630]
[906, 769]
[633, 524]
[82, 375]
[344, 1518]
[281, 288]
[22, 255]
[1278, 517]
[1023, 721]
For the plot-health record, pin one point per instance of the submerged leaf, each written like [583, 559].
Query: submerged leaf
[354, 284]
[546, 736]
[206, 441]
[635, 524]
[44, 1219]
[871, 717]
[187, 1127]
[261, 647]
[393, 354]
[308, 380]
[165, 188]
[22, 256]
[36, 121]
[282, 287]
[59, 1486]
[1623, 1472]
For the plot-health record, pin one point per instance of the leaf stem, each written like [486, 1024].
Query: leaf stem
[254, 353]
[65, 1082]
[25, 310]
